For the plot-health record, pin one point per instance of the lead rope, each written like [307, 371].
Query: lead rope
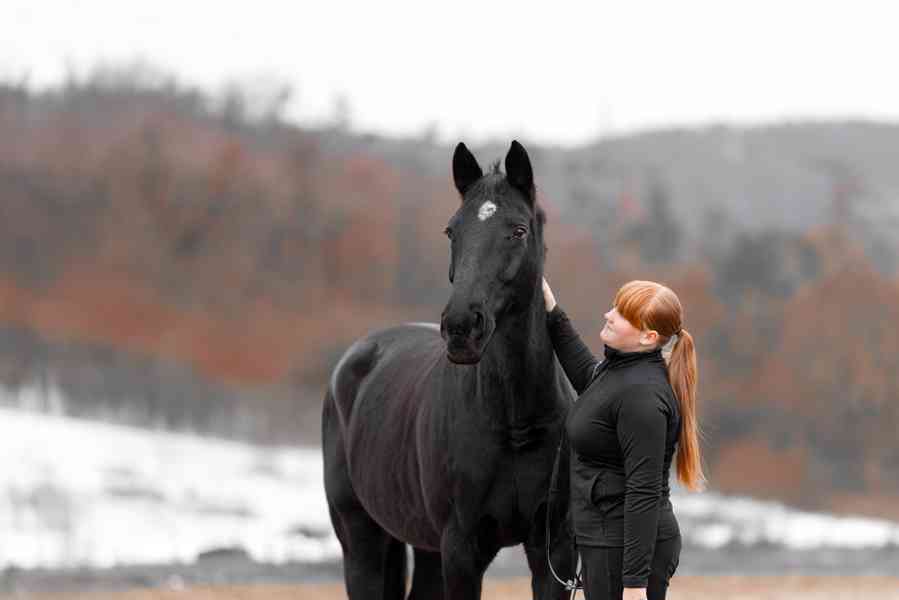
[572, 585]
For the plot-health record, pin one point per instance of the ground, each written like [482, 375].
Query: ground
[682, 588]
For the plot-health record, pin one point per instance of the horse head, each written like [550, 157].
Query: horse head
[496, 251]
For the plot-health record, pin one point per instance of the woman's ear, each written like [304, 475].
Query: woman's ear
[649, 338]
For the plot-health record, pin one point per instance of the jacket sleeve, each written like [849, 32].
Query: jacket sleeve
[642, 431]
[574, 355]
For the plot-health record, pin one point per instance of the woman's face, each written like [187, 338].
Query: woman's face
[621, 335]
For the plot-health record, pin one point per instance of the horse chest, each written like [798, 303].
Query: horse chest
[505, 490]
[504, 496]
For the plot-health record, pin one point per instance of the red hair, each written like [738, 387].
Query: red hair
[648, 305]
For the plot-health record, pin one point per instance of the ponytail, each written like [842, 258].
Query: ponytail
[650, 305]
[682, 372]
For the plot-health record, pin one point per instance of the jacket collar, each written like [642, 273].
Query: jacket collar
[616, 358]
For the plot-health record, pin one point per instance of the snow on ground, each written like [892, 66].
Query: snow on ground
[714, 520]
[80, 493]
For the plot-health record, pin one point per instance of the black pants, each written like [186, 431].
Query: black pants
[602, 570]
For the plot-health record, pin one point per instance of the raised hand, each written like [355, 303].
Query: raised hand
[548, 299]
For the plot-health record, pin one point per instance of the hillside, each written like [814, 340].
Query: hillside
[167, 263]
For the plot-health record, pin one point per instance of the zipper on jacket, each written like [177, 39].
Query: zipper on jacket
[602, 513]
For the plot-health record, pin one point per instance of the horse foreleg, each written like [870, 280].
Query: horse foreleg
[562, 554]
[427, 576]
[466, 556]
[374, 564]
[395, 571]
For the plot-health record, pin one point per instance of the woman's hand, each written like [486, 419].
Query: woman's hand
[548, 299]
[634, 594]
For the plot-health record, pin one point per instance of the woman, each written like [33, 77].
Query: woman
[633, 409]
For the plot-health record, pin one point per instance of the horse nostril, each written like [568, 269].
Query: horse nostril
[479, 320]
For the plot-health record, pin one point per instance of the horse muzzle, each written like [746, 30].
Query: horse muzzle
[466, 335]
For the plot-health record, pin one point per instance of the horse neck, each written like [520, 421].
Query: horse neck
[519, 368]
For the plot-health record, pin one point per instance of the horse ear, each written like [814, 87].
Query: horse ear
[466, 169]
[518, 169]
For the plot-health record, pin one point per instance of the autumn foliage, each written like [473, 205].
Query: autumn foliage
[253, 253]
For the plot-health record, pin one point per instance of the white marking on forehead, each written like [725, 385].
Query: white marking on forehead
[486, 211]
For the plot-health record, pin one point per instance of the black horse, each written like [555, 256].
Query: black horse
[444, 437]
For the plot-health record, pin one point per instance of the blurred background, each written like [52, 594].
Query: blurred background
[202, 206]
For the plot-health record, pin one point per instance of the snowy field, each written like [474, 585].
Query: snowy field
[85, 494]
[78, 493]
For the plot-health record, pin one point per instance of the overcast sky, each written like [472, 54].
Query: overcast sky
[552, 72]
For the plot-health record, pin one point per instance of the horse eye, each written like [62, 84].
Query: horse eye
[519, 232]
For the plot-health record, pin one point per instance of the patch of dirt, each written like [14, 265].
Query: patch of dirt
[682, 588]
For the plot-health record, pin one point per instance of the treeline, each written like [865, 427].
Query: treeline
[172, 260]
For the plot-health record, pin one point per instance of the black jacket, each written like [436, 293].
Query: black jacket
[623, 430]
